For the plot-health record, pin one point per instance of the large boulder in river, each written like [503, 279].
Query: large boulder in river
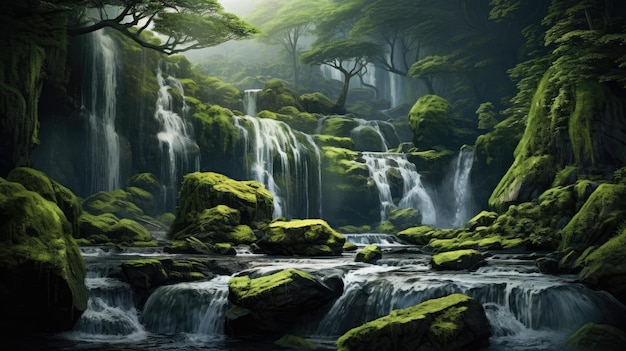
[458, 260]
[41, 271]
[592, 336]
[277, 303]
[106, 229]
[249, 202]
[302, 237]
[454, 322]
[369, 254]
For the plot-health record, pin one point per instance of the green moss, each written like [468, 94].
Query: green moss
[124, 231]
[355, 229]
[329, 140]
[589, 102]
[593, 336]
[302, 237]
[295, 342]
[118, 202]
[317, 103]
[453, 256]
[441, 319]
[609, 260]
[419, 235]
[245, 287]
[369, 253]
[338, 126]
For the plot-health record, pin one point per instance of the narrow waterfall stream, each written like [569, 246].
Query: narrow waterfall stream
[414, 194]
[286, 162]
[250, 102]
[180, 152]
[462, 187]
[100, 104]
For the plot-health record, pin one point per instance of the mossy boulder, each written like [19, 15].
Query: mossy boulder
[404, 218]
[433, 165]
[302, 121]
[51, 190]
[339, 126]
[276, 95]
[482, 219]
[369, 254]
[435, 125]
[598, 219]
[317, 103]
[205, 191]
[274, 304]
[605, 268]
[334, 141]
[41, 270]
[453, 322]
[219, 224]
[419, 235]
[458, 260]
[593, 336]
[118, 202]
[295, 343]
[108, 229]
[147, 193]
[308, 237]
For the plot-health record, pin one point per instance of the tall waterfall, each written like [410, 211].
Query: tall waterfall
[249, 101]
[99, 103]
[180, 152]
[286, 162]
[414, 194]
[461, 186]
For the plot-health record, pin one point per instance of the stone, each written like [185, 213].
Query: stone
[458, 260]
[453, 322]
[369, 254]
[309, 237]
[593, 336]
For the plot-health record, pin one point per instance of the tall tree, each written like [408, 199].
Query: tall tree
[287, 22]
[350, 57]
[187, 24]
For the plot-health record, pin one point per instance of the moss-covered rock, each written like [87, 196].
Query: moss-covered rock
[201, 192]
[454, 322]
[147, 193]
[369, 254]
[339, 126]
[309, 237]
[482, 219]
[433, 165]
[41, 271]
[295, 342]
[274, 303]
[404, 218]
[605, 267]
[458, 260]
[276, 96]
[317, 103]
[334, 141]
[118, 202]
[419, 235]
[593, 336]
[435, 125]
[106, 229]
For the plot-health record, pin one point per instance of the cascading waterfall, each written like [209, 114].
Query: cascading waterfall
[461, 186]
[295, 179]
[249, 101]
[414, 194]
[518, 309]
[100, 103]
[375, 125]
[196, 308]
[111, 315]
[175, 138]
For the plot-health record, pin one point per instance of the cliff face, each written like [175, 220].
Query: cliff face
[33, 48]
[573, 131]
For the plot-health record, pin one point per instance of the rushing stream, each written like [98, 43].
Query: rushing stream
[526, 309]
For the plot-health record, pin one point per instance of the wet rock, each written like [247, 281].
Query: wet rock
[458, 260]
[592, 336]
[108, 229]
[41, 271]
[454, 322]
[369, 254]
[277, 303]
[310, 237]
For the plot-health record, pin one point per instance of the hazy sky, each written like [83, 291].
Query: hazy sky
[238, 7]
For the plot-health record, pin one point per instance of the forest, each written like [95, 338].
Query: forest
[330, 175]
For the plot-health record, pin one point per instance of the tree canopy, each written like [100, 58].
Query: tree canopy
[187, 24]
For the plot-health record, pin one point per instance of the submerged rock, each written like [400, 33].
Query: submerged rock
[41, 271]
[309, 237]
[368, 254]
[458, 260]
[277, 303]
[592, 336]
[454, 322]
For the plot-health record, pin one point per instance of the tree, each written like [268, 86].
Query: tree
[188, 24]
[348, 56]
[286, 22]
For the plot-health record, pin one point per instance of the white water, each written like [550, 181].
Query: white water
[250, 101]
[379, 239]
[196, 308]
[100, 102]
[414, 194]
[180, 152]
[286, 162]
[462, 187]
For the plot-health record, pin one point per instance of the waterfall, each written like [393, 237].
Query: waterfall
[249, 101]
[376, 126]
[461, 186]
[111, 315]
[379, 239]
[179, 150]
[197, 308]
[331, 73]
[100, 103]
[414, 194]
[514, 306]
[286, 162]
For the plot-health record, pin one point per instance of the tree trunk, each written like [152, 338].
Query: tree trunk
[340, 105]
